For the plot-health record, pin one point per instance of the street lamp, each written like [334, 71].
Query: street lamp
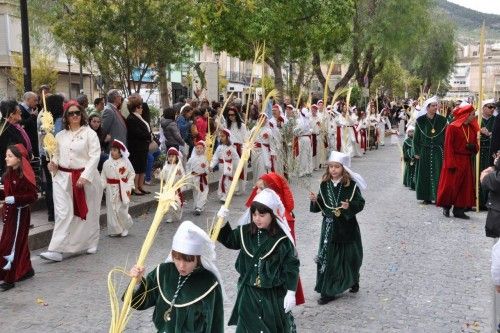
[69, 76]
[217, 56]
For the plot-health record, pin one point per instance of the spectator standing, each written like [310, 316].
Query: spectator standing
[13, 132]
[29, 114]
[113, 122]
[171, 130]
[139, 138]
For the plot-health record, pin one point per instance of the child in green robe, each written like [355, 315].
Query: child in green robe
[186, 290]
[340, 251]
[267, 264]
[409, 159]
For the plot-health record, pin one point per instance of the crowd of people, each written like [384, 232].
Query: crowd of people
[114, 147]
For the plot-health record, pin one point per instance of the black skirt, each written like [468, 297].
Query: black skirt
[138, 158]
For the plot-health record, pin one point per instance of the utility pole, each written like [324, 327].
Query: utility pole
[25, 33]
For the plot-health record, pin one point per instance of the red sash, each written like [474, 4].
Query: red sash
[203, 181]
[355, 133]
[295, 146]
[238, 150]
[80, 208]
[222, 186]
[362, 133]
[181, 197]
[114, 181]
[314, 142]
[339, 141]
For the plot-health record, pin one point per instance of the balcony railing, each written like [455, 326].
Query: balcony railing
[238, 77]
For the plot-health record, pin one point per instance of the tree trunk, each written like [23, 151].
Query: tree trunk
[275, 63]
[347, 76]
[163, 86]
[316, 63]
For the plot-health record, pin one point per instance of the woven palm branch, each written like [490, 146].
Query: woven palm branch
[167, 199]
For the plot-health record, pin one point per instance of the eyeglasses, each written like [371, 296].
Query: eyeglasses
[490, 106]
[74, 114]
[231, 114]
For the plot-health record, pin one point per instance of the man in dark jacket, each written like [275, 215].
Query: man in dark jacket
[29, 114]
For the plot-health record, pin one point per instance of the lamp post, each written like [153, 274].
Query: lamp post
[217, 56]
[26, 46]
[69, 76]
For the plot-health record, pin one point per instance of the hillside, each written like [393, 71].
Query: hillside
[468, 22]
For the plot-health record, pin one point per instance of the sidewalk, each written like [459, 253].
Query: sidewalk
[41, 233]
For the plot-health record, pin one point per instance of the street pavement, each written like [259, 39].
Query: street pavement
[421, 272]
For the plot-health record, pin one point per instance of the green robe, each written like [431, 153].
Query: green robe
[485, 157]
[340, 253]
[205, 314]
[429, 146]
[261, 308]
[408, 157]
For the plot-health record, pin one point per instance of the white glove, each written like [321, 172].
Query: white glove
[289, 302]
[10, 200]
[223, 212]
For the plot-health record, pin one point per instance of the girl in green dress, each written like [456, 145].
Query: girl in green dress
[267, 264]
[340, 251]
[186, 290]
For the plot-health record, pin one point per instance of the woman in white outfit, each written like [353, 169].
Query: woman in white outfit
[77, 188]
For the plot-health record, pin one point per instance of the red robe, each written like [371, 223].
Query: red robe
[24, 193]
[456, 182]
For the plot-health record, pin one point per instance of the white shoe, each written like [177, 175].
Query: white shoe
[147, 183]
[169, 221]
[124, 233]
[50, 255]
[92, 250]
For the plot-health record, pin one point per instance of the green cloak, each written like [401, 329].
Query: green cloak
[429, 146]
[340, 253]
[198, 307]
[484, 156]
[259, 307]
[408, 157]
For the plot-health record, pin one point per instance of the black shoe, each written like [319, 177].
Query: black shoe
[6, 286]
[325, 300]
[354, 288]
[137, 193]
[144, 192]
[51, 218]
[29, 274]
[461, 215]
[426, 202]
[446, 212]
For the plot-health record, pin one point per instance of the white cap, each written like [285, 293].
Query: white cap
[270, 199]
[423, 110]
[192, 240]
[488, 101]
[345, 160]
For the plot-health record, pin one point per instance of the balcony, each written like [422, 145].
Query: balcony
[237, 77]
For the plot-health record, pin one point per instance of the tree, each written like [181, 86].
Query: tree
[119, 36]
[43, 71]
[380, 31]
[435, 55]
[289, 29]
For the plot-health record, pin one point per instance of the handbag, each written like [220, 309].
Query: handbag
[153, 145]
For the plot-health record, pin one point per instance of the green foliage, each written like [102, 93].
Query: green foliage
[393, 80]
[267, 82]
[119, 35]
[435, 56]
[290, 29]
[43, 71]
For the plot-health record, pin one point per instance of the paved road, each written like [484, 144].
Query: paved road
[421, 272]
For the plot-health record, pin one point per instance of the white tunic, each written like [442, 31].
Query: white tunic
[303, 133]
[174, 214]
[227, 157]
[383, 124]
[239, 137]
[76, 150]
[198, 165]
[117, 200]
[261, 153]
[349, 146]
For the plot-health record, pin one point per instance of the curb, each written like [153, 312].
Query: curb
[41, 237]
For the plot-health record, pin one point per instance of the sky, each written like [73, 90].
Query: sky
[485, 6]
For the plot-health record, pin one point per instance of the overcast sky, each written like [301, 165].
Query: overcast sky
[485, 6]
